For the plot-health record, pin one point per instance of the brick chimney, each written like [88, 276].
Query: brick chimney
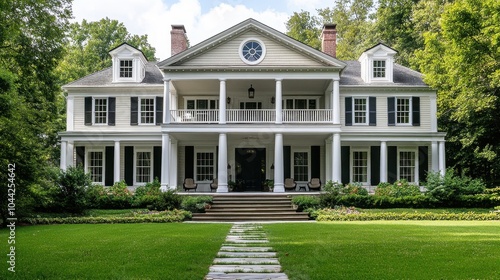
[178, 39]
[329, 39]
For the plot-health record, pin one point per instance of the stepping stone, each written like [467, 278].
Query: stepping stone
[247, 254]
[246, 261]
[245, 268]
[246, 276]
[245, 249]
[244, 241]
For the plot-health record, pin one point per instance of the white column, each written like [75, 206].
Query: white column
[173, 164]
[166, 101]
[442, 158]
[328, 159]
[222, 101]
[279, 185]
[336, 102]
[383, 161]
[433, 115]
[278, 103]
[337, 160]
[165, 161]
[70, 153]
[435, 156]
[70, 107]
[222, 174]
[116, 171]
[64, 150]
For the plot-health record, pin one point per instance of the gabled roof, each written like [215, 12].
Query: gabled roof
[254, 25]
[127, 46]
[381, 46]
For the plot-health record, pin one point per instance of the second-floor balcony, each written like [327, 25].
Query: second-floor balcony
[253, 116]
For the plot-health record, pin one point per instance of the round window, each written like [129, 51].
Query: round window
[252, 51]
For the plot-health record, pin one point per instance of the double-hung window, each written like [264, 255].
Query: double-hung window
[407, 165]
[143, 164]
[360, 110]
[403, 110]
[360, 166]
[126, 69]
[95, 166]
[379, 69]
[147, 111]
[100, 111]
[301, 166]
[205, 165]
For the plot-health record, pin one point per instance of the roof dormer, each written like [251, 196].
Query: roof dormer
[128, 64]
[377, 64]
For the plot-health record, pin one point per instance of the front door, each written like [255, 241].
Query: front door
[250, 168]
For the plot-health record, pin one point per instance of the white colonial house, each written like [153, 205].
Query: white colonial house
[250, 104]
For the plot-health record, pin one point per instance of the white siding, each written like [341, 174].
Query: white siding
[228, 54]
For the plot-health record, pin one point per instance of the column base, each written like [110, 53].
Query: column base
[222, 188]
[166, 187]
[279, 188]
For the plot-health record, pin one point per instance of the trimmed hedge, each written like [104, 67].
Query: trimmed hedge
[157, 217]
[340, 215]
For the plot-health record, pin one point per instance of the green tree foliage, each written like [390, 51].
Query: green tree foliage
[462, 61]
[31, 44]
[88, 44]
[354, 26]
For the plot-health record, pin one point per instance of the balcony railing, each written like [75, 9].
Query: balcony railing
[252, 116]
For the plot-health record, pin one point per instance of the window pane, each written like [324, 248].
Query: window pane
[312, 104]
[95, 165]
[300, 166]
[300, 103]
[360, 108]
[202, 104]
[190, 104]
[125, 68]
[379, 68]
[407, 166]
[289, 104]
[143, 167]
[403, 110]
[204, 166]
[147, 110]
[360, 166]
[100, 110]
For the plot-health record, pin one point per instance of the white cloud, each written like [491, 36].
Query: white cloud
[155, 18]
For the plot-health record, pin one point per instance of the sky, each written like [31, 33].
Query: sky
[201, 18]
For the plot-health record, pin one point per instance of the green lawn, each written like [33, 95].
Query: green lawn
[388, 249]
[114, 251]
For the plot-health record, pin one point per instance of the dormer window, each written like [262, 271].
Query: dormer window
[126, 69]
[379, 69]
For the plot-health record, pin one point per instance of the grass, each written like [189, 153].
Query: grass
[388, 250]
[114, 251]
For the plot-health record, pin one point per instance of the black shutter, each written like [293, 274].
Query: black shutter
[372, 116]
[111, 110]
[80, 156]
[129, 165]
[157, 162]
[415, 108]
[159, 110]
[345, 164]
[315, 162]
[287, 164]
[392, 164]
[109, 166]
[88, 110]
[375, 165]
[348, 111]
[423, 163]
[134, 110]
[189, 162]
[391, 111]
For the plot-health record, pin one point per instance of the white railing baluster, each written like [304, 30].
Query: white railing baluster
[252, 116]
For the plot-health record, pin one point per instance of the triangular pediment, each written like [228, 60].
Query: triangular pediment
[225, 50]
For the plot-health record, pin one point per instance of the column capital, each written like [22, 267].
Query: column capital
[222, 79]
[278, 79]
[166, 80]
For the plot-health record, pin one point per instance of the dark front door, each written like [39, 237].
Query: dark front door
[250, 168]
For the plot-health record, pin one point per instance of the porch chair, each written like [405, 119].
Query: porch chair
[189, 184]
[290, 184]
[214, 185]
[314, 184]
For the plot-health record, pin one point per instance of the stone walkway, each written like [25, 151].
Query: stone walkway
[246, 255]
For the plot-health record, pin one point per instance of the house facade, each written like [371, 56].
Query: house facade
[251, 104]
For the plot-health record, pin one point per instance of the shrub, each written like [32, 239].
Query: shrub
[398, 189]
[304, 202]
[147, 194]
[119, 196]
[168, 200]
[71, 196]
[195, 204]
[354, 188]
[350, 214]
[333, 188]
[98, 196]
[447, 189]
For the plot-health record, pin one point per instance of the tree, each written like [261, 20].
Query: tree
[88, 45]
[462, 61]
[31, 40]
[354, 25]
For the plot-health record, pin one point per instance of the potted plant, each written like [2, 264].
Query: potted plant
[269, 184]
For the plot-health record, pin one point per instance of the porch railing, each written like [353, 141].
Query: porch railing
[252, 116]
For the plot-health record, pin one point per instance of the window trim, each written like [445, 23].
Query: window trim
[292, 161]
[93, 110]
[396, 111]
[138, 150]
[195, 98]
[294, 98]
[368, 164]
[372, 67]
[367, 111]
[416, 163]
[139, 110]
[87, 159]
[195, 163]
[262, 56]
[120, 77]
